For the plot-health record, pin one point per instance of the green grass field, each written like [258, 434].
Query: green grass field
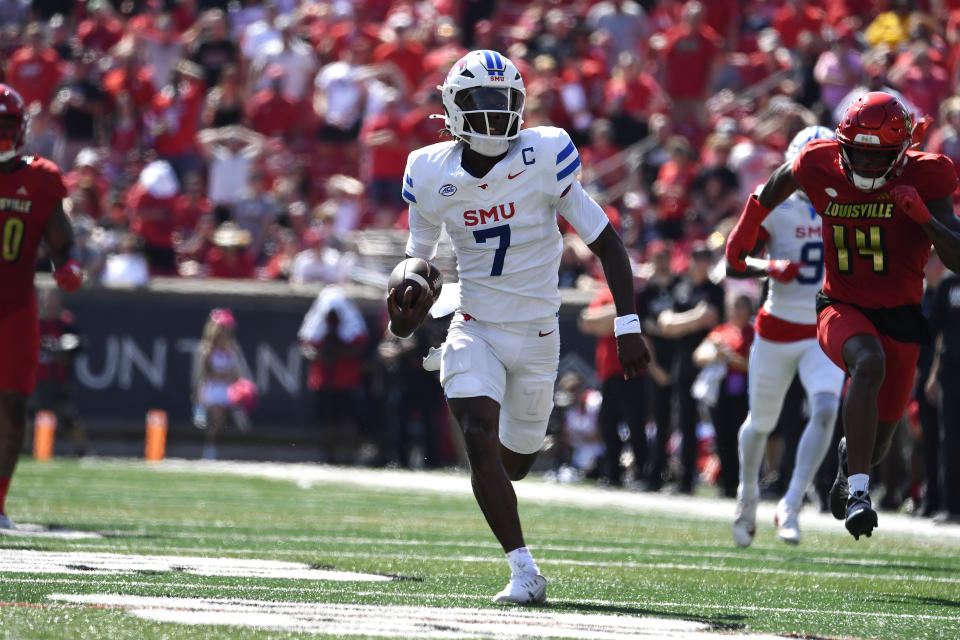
[626, 562]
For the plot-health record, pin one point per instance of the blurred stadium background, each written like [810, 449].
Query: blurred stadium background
[248, 155]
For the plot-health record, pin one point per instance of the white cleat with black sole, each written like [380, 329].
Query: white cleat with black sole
[524, 589]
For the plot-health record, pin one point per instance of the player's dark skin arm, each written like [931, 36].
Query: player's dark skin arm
[58, 235]
[779, 186]
[631, 348]
[943, 229]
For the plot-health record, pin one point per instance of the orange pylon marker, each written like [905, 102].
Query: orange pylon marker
[44, 433]
[156, 439]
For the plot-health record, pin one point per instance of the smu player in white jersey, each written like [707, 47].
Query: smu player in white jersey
[786, 344]
[497, 189]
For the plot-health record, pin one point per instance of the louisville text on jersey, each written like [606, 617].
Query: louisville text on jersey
[473, 217]
[859, 210]
[15, 204]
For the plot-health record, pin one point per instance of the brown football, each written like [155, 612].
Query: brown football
[416, 273]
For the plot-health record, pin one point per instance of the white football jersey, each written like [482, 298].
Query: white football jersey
[794, 229]
[503, 226]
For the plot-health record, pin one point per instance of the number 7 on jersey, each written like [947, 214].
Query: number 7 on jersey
[502, 232]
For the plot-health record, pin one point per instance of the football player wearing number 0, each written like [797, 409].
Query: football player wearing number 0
[497, 188]
[31, 190]
[786, 345]
[882, 204]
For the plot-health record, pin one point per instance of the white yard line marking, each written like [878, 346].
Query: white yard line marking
[404, 621]
[615, 547]
[481, 598]
[9, 558]
[307, 475]
[31, 561]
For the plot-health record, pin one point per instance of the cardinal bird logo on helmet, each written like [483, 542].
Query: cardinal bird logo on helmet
[874, 136]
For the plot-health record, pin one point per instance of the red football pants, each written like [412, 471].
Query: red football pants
[19, 348]
[838, 323]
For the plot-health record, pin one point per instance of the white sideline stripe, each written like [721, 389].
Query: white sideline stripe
[399, 620]
[307, 475]
[31, 561]
[16, 562]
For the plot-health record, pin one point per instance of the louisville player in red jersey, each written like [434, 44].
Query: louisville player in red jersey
[31, 191]
[882, 205]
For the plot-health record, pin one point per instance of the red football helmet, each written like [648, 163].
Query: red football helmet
[874, 135]
[13, 122]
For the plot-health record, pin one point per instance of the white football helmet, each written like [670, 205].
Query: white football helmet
[483, 97]
[804, 136]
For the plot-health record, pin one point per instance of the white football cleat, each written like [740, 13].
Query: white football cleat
[744, 522]
[5, 522]
[524, 589]
[788, 524]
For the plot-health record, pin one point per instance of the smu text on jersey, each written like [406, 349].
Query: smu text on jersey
[496, 213]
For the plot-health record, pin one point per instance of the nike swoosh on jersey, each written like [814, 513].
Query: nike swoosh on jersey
[544, 335]
[511, 177]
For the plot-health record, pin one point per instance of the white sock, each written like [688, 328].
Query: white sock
[812, 449]
[521, 562]
[859, 482]
[751, 443]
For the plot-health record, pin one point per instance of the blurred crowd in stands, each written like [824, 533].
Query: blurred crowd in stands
[251, 139]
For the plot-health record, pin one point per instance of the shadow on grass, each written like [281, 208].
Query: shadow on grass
[928, 601]
[718, 622]
[916, 568]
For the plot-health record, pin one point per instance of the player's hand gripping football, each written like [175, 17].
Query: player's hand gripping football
[908, 200]
[408, 309]
[783, 270]
[69, 276]
[633, 354]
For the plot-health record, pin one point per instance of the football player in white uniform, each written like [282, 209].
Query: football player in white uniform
[497, 188]
[786, 344]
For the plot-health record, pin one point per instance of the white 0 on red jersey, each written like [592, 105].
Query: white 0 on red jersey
[794, 229]
[503, 226]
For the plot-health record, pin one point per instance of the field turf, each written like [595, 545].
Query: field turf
[627, 557]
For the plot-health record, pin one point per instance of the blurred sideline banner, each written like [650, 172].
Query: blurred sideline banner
[139, 346]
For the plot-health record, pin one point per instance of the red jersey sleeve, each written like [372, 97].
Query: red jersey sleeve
[52, 179]
[815, 156]
[936, 177]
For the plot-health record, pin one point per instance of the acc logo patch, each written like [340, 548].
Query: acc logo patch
[448, 190]
[831, 192]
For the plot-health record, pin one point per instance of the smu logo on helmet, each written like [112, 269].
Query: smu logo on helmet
[495, 65]
[496, 213]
